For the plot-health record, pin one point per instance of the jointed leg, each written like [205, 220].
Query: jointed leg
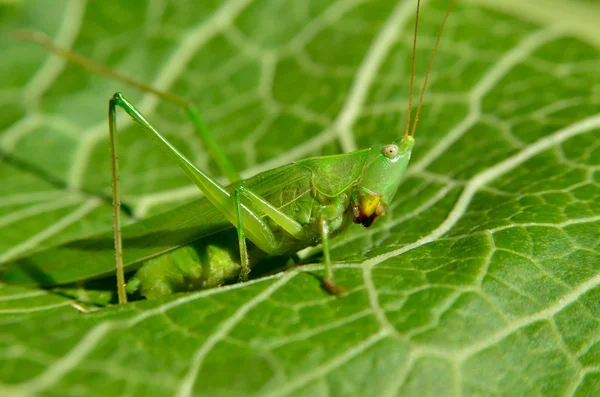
[283, 220]
[215, 151]
[287, 223]
[244, 259]
[328, 283]
[116, 197]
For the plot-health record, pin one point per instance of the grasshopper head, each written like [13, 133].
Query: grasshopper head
[385, 165]
[381, 178]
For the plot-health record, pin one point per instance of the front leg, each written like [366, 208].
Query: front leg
[286, 222]
[244, 258]
[328, 283]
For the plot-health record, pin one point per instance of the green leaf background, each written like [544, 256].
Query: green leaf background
[482, 280]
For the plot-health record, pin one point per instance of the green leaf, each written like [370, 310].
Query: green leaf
[483, 279]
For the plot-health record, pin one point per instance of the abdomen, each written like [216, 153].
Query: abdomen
[207, 263]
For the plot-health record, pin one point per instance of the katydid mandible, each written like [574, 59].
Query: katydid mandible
[279, 211]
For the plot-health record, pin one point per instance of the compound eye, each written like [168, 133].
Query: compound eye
[390, 151]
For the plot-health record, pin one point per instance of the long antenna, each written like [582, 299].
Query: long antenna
[218, 155]
[437, 42]
[46, 42]
[412, 71]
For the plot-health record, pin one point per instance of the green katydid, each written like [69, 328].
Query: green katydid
[279, 211]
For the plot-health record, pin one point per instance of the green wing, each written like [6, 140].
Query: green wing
[332, 175]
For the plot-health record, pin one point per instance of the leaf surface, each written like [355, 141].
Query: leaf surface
[482, 279]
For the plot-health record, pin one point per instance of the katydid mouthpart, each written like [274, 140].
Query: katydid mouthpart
[275, 213]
